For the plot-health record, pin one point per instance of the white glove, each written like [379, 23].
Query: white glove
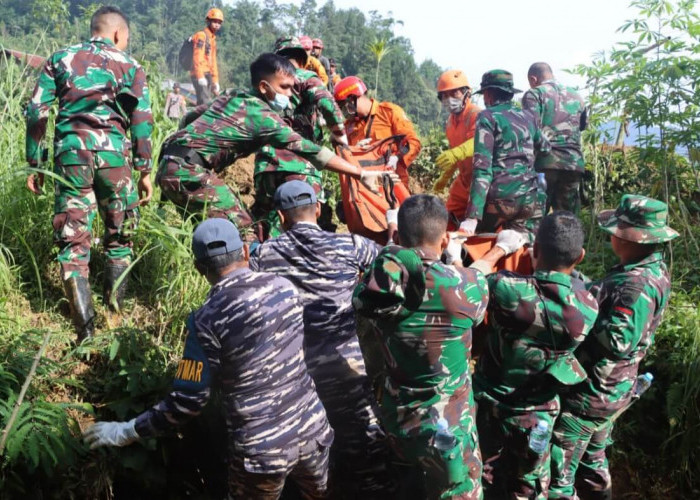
[339, 137]
[453, 252]
[111, 434]
[393, 161]
[392, 216]
[364, 142]
[510, 240]
[468, 226]
[216, 88]
[202, 82]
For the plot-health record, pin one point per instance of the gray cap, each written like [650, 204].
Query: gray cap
[294, 194]
[215, 237]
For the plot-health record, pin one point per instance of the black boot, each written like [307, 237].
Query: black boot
[113, 298]
[81, 311]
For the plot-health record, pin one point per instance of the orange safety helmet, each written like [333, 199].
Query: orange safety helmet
[317, 43]
[452, 79]
[349, 86]
[306, 42]
[215, 14]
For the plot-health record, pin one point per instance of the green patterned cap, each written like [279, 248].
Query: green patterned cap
[290, 46]
[638, 219]
[497, 79]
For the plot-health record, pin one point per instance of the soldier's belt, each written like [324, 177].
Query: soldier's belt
[187, 154]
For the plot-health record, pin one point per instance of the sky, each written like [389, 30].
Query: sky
[507, 34]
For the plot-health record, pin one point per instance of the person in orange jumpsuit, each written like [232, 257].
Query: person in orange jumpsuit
[312, 63]
[368, 121]
[455, 93]
[205, 72]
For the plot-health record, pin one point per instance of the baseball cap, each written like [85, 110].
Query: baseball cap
[293, 194]
[215, 237]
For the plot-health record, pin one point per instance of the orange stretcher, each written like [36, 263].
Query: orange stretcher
[365, 211]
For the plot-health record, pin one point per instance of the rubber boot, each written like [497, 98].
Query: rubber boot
[81, 310]
[113, 298]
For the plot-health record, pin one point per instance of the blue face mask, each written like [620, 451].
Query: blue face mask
[280, 101]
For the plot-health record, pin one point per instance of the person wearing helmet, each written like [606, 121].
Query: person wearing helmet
[317, 52]
[454, 92]
[275, 166]
[312, 63]
[205, 72]
[333, 76]
[368, 121]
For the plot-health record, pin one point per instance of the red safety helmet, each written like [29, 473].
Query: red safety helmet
[317, 43]
[215, 14]
[306, 42]
[349, 86]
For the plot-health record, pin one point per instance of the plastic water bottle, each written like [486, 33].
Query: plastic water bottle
[444, 440]
[643, 383]
[542, 182]
[539, 437]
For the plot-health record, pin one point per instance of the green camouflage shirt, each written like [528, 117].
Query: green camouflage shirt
[238, 124]
[424, 312]
[309, 96]
[561, 112]
[102, 93]
[504, 151]
[632, 300]
[530, 351]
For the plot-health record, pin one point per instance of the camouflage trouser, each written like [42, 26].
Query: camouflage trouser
[563, 190]
[511, 468]
[360, 454]
[523, 214]
[93, 181]
[578, 458]
[438, 470]
[266, 184]
[263, 477]
[196, 190]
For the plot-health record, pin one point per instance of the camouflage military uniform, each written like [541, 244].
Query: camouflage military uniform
[561, 114]
[102, 93]
[235, 125]
[274, 167]
[424, 311]
[632, 299]
[248, 335]
[535, 324]
[504, 185]
[325, 268]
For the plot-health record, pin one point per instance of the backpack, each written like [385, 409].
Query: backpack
[186, 53]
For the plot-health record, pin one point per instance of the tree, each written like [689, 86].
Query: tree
[379, 48]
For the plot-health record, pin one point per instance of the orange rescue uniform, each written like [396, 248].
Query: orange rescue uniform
[460, 128]
[204, 55]
[386, 119]
[316, 66]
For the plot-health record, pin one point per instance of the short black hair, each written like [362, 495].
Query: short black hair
[296, 214]
[299, 55]
[541, 70]
[422, 219]
[559, 240]
[218, 262]
[98, 22]
[267, 65]
[500, 95]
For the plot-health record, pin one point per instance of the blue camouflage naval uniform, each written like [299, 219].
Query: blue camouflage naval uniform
[248, 335]
[325, 268]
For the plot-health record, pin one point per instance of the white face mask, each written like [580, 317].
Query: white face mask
[453, 105]
[280, 102]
